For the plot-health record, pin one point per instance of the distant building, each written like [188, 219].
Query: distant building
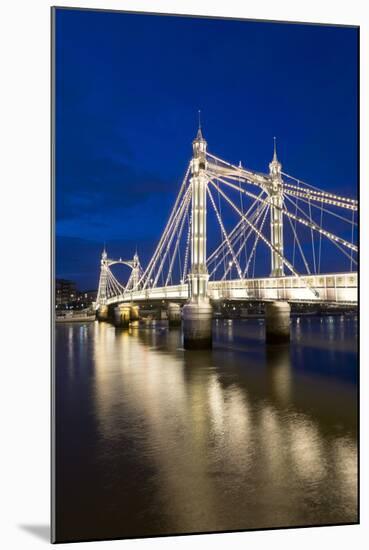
[65, 292]
[87, 296]
[68, 297]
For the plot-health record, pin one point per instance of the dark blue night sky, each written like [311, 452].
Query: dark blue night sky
[128, 88]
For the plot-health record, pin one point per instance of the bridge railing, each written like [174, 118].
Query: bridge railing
[175, 292]
[335, 288]
[332, 288]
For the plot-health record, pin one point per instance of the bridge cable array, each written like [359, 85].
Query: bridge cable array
[242, 228]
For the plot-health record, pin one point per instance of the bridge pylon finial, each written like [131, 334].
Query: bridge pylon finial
[275, 166]
[199, 136]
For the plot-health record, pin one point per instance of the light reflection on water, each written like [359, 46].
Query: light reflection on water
[153, 439]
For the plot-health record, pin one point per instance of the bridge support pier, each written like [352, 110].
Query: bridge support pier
[174, 315]
[102, 314]
[122, 315]
[277, 322]
[134, 312]
[197, 325]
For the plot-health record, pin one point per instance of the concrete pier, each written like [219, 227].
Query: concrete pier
[122, 315]
[174, 315]
[134, 312]
[102, 314]
[277, 322]
[197, 325]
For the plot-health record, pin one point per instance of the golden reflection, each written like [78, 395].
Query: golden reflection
[216, 403]
[344, 456]
[278, 363]
[211, 431]
[307, 448]
[273, 442]
[229, 325]
[71, 358]
[239, 431]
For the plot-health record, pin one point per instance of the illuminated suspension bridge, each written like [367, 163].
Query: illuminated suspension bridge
[290, 221]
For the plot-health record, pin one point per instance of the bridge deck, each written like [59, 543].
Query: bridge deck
[338, 288]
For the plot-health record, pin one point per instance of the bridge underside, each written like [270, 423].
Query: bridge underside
[339, 288]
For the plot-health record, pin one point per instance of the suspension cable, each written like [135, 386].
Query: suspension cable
[181, 211]
[253, 250]
[148, 271]
[312, 237]
[314, 226]
[317, 190]
[250, 232]
[268, 243]
[233, 234]
[225, 233]
[296, 239]
[352, 238]
[330, 239]
[243, 225]
[187, 247]
[220, 209]
[349, 204]
[321, 207]
[115, 284]
[250, 176]
[320, 237]
[255, 219]
[148, 274]
[179, 235]
[258, 178]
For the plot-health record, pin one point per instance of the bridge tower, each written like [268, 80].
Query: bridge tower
[102, 311]
[198, 276]
[135, 270]
[276, 216]
[197, 313]
[277, 314]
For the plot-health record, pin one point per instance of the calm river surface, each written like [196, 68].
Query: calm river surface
[152, 439]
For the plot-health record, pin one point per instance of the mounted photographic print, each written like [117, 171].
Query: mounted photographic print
[205, 282]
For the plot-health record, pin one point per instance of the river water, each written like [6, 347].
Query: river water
[152, 439]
